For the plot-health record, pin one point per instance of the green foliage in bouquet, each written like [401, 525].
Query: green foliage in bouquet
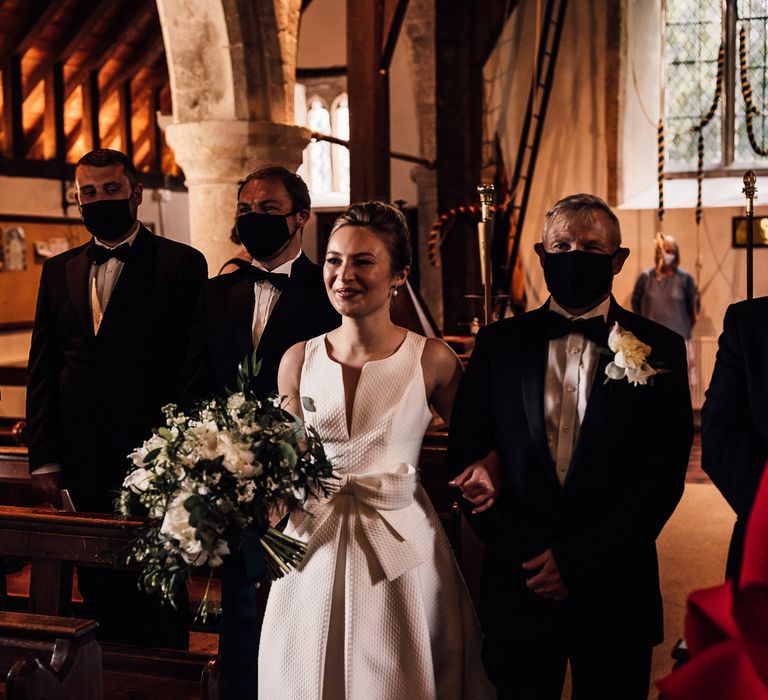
[205, 477]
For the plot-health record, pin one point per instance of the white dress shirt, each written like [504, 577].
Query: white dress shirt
[571, 366]
[266, 296]
[103, 279]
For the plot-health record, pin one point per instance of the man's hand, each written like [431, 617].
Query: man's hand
[547, 582]
[50, 486]
[480, 482]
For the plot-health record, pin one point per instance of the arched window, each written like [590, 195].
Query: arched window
[340, 154]
[320, 174]
[325, 166]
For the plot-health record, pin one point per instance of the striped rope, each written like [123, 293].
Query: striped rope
[699, 130]
[442, 226]
[700, 178]
[660, 169]
[718, 90]
[746, 90]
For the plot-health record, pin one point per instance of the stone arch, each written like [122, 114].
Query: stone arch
[231, 59]
[232, 66]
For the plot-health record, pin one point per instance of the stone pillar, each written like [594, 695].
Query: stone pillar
[430, 277]
[231, 66]
[215, 155]
[419, 27]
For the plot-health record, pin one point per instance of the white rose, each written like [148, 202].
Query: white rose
[176, 525]
[139, 455]
[630, 352]
[630, 359]
[138, 480]
[236, 460]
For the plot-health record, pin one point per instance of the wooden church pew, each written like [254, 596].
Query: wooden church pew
[54, 542]
[55, 658]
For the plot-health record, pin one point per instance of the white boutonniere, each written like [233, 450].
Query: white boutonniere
[630, 359]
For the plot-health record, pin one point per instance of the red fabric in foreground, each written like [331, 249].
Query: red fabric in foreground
[727, 627]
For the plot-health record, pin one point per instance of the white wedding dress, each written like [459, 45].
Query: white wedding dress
[378, 609]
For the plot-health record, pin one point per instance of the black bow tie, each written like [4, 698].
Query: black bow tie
[276, 279]
[593, 329]
[100, 254]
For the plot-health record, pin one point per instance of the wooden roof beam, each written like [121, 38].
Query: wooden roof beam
[394, 14]
[123, 25]
[88, 16]
[145, 55]
[85, 18]
[37, 16]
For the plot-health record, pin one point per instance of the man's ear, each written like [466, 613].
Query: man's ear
[539, 248]
[619, 258]
[138, 193]
[302, 217]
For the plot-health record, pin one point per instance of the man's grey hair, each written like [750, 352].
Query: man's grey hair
[580, 209]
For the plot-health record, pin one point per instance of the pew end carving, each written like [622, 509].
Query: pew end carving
[73, 669]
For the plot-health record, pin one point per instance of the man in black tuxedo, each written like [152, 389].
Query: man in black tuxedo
[734, 422]
[270, 305]
[591, 469]
[111, 330]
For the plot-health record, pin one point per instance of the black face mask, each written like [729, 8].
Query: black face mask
[263, 235]
[108, 219]
[578, 279]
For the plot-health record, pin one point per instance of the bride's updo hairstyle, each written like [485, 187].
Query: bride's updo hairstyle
[387, 222]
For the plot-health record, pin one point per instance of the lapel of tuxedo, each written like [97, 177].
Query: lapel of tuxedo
[78, 270]
[288, 304]
[134, 283]
[599, 398]
[241, 300]
[533, 367]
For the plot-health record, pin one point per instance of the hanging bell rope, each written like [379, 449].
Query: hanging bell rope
[699, 129]
[746, 91]
[660, 170]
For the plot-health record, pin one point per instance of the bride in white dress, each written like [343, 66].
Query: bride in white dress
[378, 609]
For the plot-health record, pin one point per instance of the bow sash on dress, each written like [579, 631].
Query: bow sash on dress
[383, 503]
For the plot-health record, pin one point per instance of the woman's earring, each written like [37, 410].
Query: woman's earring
[394, 291]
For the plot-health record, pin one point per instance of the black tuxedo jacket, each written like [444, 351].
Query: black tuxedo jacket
[92, 399]
[734, 422]
[625, 479]
[222, 334]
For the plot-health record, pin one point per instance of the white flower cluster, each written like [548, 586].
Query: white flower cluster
[203, 478]
[631, 357]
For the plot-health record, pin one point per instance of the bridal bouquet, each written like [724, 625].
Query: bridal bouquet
[205, 477]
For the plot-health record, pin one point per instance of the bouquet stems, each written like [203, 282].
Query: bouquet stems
[281, 552]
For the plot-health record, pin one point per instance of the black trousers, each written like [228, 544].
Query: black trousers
[129, 616]
[242, 612]
[610, 670]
